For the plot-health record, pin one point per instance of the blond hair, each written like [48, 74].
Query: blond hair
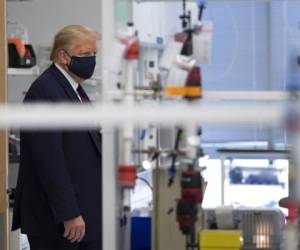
[69, 35]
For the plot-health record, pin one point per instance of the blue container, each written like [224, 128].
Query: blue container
[140, 233]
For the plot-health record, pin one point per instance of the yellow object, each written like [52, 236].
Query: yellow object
[184, 91]
[220, 240]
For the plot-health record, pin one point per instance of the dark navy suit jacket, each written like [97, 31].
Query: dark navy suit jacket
[60, 170]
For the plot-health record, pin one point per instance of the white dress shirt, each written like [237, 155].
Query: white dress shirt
[72, 82]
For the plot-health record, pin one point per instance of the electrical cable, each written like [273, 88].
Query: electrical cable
[284, 61]
[172, 170]
[201, 6]
[184, 16]
[253, 27]
[253, 50]
[288, 26]
[231, 63]
[146, 182]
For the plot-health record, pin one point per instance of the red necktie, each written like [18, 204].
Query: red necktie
[82, 94]
[84, 98]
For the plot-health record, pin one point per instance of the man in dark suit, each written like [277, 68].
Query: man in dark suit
[58, 194]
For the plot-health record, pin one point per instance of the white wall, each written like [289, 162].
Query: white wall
[45, 17]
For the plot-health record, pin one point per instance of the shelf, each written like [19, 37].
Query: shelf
[255, 185]
[254, 153]
[23, 71]
[269, 169]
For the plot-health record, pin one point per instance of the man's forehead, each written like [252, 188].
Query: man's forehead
[85, 46]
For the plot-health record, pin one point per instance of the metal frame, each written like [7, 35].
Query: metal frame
[3, 135]
[80, 116]
[109, 159]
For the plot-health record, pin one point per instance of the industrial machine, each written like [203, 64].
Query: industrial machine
[260, 228]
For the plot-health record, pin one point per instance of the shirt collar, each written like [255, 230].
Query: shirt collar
[73, 83]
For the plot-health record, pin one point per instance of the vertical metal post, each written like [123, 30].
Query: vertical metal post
[156, 198]
[127, 140]
[4, 227]
[3, 134]
[109, 157]
[222, 157]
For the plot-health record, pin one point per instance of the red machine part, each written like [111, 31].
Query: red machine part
[132, 51]
[293, 212]
[191, 187]
[194, 78]
[191, 196]
[127, 176]
[293, 208]
[186, 215]
[181, 37]
[20, 46]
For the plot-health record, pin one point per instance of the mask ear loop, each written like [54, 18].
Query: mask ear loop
[67, 53]
[68, 65]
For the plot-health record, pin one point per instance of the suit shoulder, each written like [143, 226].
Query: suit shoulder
[42, 88]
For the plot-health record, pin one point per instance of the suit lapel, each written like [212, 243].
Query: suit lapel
[63, 81]
[97, 139]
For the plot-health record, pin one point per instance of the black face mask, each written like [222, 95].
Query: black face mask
[82, 67]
